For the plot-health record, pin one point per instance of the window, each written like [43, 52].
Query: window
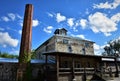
[69, 48]
[65, 41]
[84, 51]
[77, 64]
[87, 44]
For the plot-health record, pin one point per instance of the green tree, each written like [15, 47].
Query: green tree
[7, 55]
[112, 48]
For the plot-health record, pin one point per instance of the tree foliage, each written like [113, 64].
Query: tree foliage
[7, 55]
[33, 54]
[112, 48]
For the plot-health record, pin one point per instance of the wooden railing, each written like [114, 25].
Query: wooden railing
[80, 71]
[77, 70]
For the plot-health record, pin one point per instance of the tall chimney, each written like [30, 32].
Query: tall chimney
[25, 47]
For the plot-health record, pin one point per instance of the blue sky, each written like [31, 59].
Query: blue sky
[95, 20]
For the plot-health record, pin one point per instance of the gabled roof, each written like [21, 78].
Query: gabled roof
[44, 43]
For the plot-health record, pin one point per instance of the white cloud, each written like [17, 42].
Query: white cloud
[4, 45]
[86, 12]
[20, 32]
[116, 18]
[9, 28]
[11, 16]
[60, 18]
[75, 29]
[70, 22]
[83, 23]
[6, 39]
[79, 36]
[18, 16]
[6, 19]
[48, 29]
[14, 52]
[107, 5]
[98, 49]
[101, 23]
[50, 15]
[2, 29]
[20, 22]
[35, 23]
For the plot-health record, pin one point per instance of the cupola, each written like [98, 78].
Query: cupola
[61, 31]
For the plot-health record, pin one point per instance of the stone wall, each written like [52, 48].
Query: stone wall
[74, 45]
[8, 71]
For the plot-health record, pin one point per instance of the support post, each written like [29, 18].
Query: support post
[57, 66]
[46, 60]
[73, 72]
[46, 63]
[84, 75]
[116, 66]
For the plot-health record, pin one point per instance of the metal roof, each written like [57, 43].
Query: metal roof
[75, 54]
[16, 60]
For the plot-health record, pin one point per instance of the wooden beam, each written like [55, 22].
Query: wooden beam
[46, 63]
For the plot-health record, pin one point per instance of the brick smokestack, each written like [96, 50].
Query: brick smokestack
[25, 47]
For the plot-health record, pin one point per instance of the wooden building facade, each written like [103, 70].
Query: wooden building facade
[75, 67]
[71, 59]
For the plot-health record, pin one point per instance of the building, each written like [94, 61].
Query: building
[71, 59]
[60, 42]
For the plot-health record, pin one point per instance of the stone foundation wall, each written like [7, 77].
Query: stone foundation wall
[8, 71]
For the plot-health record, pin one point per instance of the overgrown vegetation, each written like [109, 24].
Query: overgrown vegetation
[25, 61]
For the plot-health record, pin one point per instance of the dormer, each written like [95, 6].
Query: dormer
[61, 31]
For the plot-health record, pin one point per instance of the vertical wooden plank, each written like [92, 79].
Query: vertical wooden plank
[46, 63]
[116, 66]
[73, 72]
[57, 66]
[46, 60]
